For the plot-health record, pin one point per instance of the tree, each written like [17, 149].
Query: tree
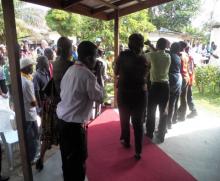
[86, 28]
[26, 18]
[198, 34]
[135, 23]
[66, 24]
[174, 15]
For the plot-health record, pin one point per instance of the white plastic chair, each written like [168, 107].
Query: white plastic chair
[8, 135]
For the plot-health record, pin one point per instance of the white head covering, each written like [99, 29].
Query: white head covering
[24, 62]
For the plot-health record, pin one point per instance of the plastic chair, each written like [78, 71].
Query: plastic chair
[8, 135]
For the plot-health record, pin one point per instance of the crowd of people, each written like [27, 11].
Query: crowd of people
[160, 77]
[63, 92]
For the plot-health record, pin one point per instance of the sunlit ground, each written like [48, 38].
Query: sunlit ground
[204, 121]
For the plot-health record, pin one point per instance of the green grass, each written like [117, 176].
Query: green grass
[208, 100]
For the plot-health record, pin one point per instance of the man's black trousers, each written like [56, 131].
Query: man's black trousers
[73, 149]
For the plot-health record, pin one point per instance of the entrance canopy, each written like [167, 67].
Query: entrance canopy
[100, 9]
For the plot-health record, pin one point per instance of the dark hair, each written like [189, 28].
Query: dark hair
[183, 45]
[64, 47]
[136, 42]
[85, 49]
[48, 52]
[161, 44]
[42, 63]
[175, 48]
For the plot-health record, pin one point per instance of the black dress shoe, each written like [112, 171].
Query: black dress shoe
[4, 178]
[137, 156]
[150, 136]
[159, 139]
[125, 144]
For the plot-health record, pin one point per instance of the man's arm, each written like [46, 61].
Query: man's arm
[95, 91]
[29, 91]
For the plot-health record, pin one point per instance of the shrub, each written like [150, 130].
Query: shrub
[208, 79]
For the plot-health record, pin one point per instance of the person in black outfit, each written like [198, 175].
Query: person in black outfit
[131, 70]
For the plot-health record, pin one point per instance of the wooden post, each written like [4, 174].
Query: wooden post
[116, 45]
[13, 55]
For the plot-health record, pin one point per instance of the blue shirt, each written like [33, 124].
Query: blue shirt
[175, 78]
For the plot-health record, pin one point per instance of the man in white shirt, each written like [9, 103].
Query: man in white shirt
[79, 88]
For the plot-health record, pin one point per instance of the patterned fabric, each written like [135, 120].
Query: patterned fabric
[49, 123]
[49, 117]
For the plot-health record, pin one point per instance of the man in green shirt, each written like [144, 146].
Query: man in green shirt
[159, 90]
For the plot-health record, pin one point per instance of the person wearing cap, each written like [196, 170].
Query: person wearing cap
[30, 103]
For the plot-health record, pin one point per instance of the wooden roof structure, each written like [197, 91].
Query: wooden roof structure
[100, 9]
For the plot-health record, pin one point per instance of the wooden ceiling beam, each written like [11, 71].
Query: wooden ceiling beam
[108, 4]
[103, 8]
[67, 4]
[87, 11]
[137, 7]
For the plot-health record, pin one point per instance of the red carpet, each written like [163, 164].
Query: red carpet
[109, 161]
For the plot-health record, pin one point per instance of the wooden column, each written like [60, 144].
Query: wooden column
[13, 55]
[116, 51]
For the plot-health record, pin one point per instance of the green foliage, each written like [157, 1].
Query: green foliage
[208, 79]
[66, 24]
[197, 33]
[86, 28]
[208, 100]
[174, 15]
[25, 18]
[92, 28]
[133, 23]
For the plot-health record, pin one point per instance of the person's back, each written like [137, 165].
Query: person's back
[184, 65]
[159, 90]
[133, 69]
[62, 62]
[79, 88]
[160, 62]
[79, 80]
[175, 78]
[59, 69]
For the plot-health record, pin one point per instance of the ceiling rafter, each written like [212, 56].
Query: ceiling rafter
[103, 8]
[87, 11]
[137, 7]
[67, 4]
[108, 4]
[85, 7]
